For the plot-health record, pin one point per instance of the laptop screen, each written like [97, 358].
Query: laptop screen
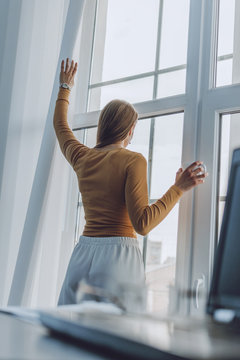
[225, 287]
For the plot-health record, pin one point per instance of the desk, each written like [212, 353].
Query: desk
[185, 338]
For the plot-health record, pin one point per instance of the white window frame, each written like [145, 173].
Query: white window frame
[202, 105]
[214, 102]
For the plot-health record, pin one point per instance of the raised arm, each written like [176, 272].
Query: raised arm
[145, 217]
[71, 148]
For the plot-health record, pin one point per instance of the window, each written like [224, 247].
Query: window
[171, 59]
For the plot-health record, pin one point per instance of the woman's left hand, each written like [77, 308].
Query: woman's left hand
[67, 75]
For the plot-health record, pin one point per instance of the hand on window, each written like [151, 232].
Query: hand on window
[192, 176]
[67, 75]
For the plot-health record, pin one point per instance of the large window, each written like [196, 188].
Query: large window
[178, 62]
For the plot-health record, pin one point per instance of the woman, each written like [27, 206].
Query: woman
[113, 184]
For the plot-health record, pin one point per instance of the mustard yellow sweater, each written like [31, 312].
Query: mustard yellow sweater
[113, 184]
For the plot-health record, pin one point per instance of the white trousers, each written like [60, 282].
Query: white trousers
[110, 263]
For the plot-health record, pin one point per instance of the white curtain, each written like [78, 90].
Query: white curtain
[35, 238]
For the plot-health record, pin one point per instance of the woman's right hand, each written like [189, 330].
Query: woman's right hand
[192, 176]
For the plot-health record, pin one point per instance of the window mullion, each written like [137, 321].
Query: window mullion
[150, 156]
[184, 258]
[158, 45]
[151, 139]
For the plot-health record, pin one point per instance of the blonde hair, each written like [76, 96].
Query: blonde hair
[115, 121]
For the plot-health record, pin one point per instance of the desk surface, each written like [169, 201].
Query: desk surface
[21, 340]
[196, 339]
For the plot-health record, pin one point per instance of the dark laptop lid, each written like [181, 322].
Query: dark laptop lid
[225, 286]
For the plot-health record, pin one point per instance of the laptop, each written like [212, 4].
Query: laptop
[217, 336]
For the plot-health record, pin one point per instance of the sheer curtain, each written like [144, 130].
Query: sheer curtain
[36, 239]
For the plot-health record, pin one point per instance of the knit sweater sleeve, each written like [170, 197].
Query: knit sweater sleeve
[71, 148]
[145, 217]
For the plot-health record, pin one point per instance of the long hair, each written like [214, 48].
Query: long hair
[115, 121]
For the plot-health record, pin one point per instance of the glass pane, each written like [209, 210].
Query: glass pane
[224, 72]
[226, 27]
[88, 136]
[91, 137]
[161, 260]
[125, 39]
[224, 157]
[230, 140]
[140, 140]
[167, 152]
[171, 83]
[79, 135]
[174, 34]
[133, 91]
[228, 70]
[162, 241]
